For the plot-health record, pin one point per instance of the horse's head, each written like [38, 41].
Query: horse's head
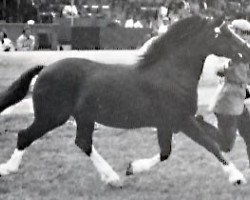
[222, 40]
[192, 39]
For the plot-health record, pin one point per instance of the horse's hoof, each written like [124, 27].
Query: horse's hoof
[119, 186]
[115, 184]
[129, 169]
[5, 169]
[239, 181]
[235, 176]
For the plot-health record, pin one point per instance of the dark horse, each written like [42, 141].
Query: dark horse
[159, 91]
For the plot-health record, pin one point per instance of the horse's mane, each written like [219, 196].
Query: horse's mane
[178, 35]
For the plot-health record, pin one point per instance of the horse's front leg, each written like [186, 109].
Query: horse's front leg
[192, 128]
[84, 142]
[142, 165]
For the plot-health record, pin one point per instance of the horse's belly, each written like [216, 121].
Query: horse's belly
[122, 124]
[126, 119]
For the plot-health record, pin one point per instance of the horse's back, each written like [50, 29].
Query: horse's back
[77, 84]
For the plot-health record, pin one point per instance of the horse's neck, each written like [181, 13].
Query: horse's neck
[184, 68]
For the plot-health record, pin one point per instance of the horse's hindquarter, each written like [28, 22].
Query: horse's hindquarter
[58, 85]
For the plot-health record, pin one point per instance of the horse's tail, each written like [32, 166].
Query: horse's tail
[18, 89]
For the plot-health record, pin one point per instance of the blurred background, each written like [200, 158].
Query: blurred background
[105, 24]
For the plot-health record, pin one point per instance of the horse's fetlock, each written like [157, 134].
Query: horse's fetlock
[86, 148]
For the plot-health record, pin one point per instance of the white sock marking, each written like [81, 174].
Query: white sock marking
[145, 164]
[12, 165]
[108, 175]
[234, 174]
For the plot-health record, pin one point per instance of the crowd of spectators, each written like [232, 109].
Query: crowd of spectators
[158, 15]
[132, 15]
[113, 10]
[25, 42]
[117, 13]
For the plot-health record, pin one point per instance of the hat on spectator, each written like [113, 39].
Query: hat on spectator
[30, 22]
[163, 11]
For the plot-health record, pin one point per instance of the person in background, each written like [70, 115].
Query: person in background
[228, 105]
[163, 11]
[178, 11]
[26, 41]
[6, 43]
[163, 25]
[129, 22]
[137, 22]
[115, 21]
[70, 11]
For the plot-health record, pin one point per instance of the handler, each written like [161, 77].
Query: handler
[5, 42]
[229, 106]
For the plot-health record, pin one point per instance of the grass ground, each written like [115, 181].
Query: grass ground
[55, 169]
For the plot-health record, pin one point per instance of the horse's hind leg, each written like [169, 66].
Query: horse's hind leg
[244, 129]
[164, 141]
[84, 142]
[25, 138]
[227, 126]
[192, 129]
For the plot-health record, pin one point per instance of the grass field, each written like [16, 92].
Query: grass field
[55, 169]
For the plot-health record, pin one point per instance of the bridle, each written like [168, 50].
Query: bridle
[217, 31]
